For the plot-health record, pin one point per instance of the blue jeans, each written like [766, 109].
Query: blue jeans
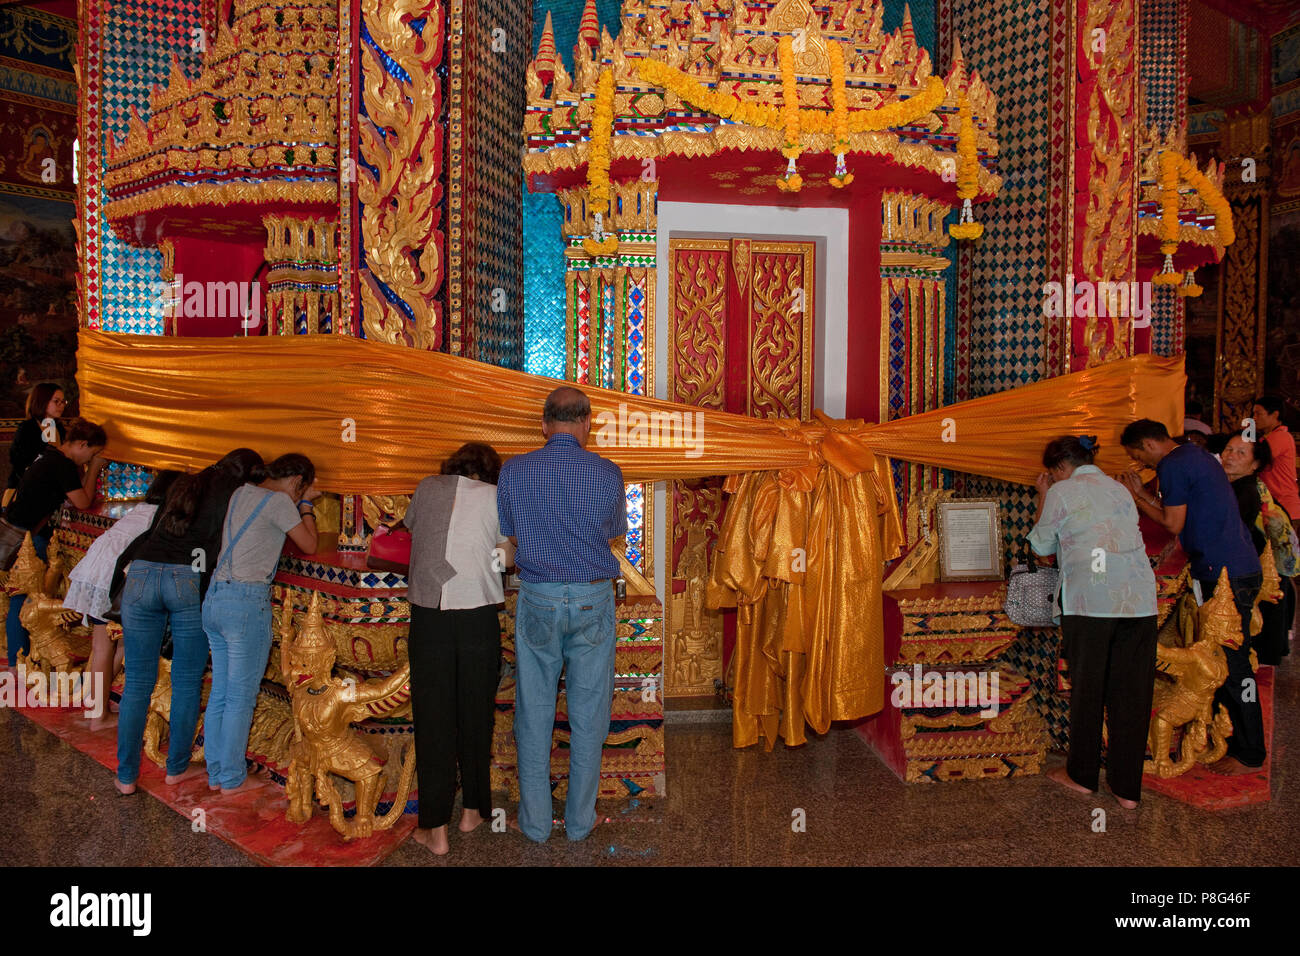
[237, 620]
[154, 595]
[15, 633]
[569, 626]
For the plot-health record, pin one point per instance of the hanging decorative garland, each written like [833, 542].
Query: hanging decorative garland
[968, 167]
[1172, 169]
[840, 115]
[792, 182]
[689, 90]
[598, 189]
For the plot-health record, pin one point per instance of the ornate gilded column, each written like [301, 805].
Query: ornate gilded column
[302, 280]
[1239, 375]
[914, 251]
[1105, 198]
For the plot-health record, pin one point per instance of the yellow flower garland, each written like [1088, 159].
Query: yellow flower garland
[598, 189]
[689, 90]
[792, 182]
[1172, 169]
[968, 168]
[840, 115]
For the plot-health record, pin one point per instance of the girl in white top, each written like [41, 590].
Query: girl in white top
[89, 592]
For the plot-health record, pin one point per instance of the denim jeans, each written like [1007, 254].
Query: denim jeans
[15, 634]
[237, 620]
[569, 626]
[155, 595]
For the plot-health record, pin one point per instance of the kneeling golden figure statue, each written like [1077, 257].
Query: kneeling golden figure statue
[55, 638]
[324, 742]
[1188, 701]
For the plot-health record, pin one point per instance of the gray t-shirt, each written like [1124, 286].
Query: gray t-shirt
[258, 551]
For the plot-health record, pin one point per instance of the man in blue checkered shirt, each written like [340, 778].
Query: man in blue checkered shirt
[563, 507]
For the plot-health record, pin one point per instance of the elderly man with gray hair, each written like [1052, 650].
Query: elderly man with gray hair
[563, 507]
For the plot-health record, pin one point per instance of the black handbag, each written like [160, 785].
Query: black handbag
[11, 542]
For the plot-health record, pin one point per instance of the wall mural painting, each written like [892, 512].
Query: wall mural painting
[38, 258]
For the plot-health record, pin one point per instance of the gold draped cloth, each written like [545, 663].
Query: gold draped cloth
[812, 516]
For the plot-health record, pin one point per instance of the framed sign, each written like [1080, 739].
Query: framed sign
[970, 540]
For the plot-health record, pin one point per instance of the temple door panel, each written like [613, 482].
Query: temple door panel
[741, 318]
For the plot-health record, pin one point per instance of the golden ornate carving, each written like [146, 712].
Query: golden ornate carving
[303, 278]
[266, 97]
[56, 641]
[732, 49]
[324, 743]
[157, 724]
[399, 139]
[1186, 700]
[780, 309]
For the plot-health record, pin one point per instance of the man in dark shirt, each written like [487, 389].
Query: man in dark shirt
[1198, 504]
[563, 507]
[56, 474]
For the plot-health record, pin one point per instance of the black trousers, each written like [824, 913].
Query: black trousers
[1112, 673]
[1271, 642]
[1247, 740]
[455, 668]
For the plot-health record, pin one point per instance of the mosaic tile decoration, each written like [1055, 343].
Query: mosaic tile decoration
[1007, 267]
[1163, 66]
[139, 39]
[496, 53]
[544, 297]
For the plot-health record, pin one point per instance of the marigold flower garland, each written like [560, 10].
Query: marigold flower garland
[1173, 168]
[792, 182]
[598, 190]
[727, 106]
[968, 168]
[840, 114]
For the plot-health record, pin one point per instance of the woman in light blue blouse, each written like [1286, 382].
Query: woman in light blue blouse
[1108, 615]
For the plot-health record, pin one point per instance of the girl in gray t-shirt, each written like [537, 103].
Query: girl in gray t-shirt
[237, 608]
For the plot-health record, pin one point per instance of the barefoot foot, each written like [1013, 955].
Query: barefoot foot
[470, 820]
[1061, 776]
[434, 839]
[246, 785]
[125, 789]
[103, 723]
[174, 778]
[1124, 802]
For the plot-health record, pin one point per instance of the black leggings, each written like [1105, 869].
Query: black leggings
[455, 668]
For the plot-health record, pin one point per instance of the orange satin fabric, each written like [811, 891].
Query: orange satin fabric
[810, 646]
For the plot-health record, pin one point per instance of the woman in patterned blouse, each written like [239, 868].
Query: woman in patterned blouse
[1108, 615]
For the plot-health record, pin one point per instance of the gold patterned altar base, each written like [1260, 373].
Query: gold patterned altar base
[941, 641]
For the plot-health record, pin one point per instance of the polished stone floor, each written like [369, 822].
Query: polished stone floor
[725, 807]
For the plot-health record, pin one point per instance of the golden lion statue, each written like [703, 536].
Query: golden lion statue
[324, 742]
[157, 724]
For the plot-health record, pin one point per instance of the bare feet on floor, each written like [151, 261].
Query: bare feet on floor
[247, 784]
[1232, 767]
[1124, 802]
[434, 839]
[1061, 776]
[103, 723]
[174, 778]
[125, 789]
[469, 821]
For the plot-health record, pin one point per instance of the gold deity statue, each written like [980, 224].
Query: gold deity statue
[57, 642]
[157, 724]
[1187, 701]
[324, 743]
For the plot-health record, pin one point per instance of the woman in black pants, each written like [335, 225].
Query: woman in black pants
[1108, 615]
[455, 588]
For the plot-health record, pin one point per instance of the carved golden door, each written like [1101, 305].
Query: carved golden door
[740, 316]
